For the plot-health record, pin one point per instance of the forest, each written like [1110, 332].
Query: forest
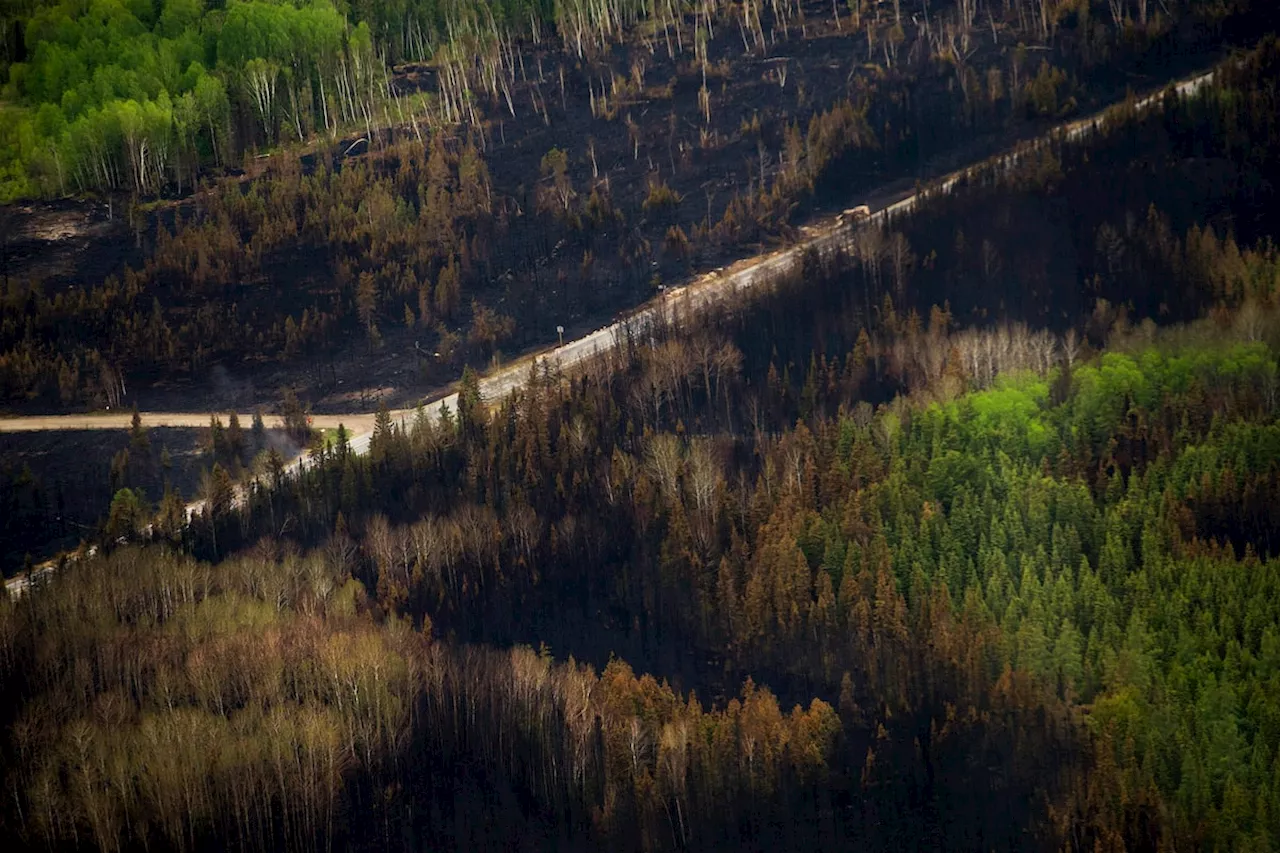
[307, 184]
[966, 538]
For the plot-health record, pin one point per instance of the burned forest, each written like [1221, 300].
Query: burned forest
[601, 425]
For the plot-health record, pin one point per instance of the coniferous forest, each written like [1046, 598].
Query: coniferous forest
[966, 536]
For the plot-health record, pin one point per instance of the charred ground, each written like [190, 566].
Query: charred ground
[656, 180]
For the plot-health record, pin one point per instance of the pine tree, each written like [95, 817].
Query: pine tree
[138, 437]
[382, 436]
[235, 440]
[218, 492]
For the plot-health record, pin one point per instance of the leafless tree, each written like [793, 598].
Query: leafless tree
[869, 248]
[1045, 348]
[579, 437]
[796, 456]
[437, 547]
[702, 351]
[1250, 322]
[705, 476]
[479, 529]
[638, 744]
[1071, 347]
[672, 363]
[728, 365]
[931, 356]
[704, 479]
[662, 461]
[379, 540]
[525, 529]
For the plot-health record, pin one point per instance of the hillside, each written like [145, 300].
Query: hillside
[963, 539]
[510, 182]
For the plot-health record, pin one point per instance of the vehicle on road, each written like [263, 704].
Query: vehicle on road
[854, 214]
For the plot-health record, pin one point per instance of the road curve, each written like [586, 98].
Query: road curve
[825, 237]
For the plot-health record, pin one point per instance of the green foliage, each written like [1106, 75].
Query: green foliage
[127, 515]
[1008, 418]
[120, 97]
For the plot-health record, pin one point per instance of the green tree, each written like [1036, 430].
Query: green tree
[126, 517]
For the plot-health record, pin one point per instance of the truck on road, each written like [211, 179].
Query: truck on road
[854, 214]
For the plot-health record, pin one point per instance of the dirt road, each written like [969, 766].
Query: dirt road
[824, 237]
